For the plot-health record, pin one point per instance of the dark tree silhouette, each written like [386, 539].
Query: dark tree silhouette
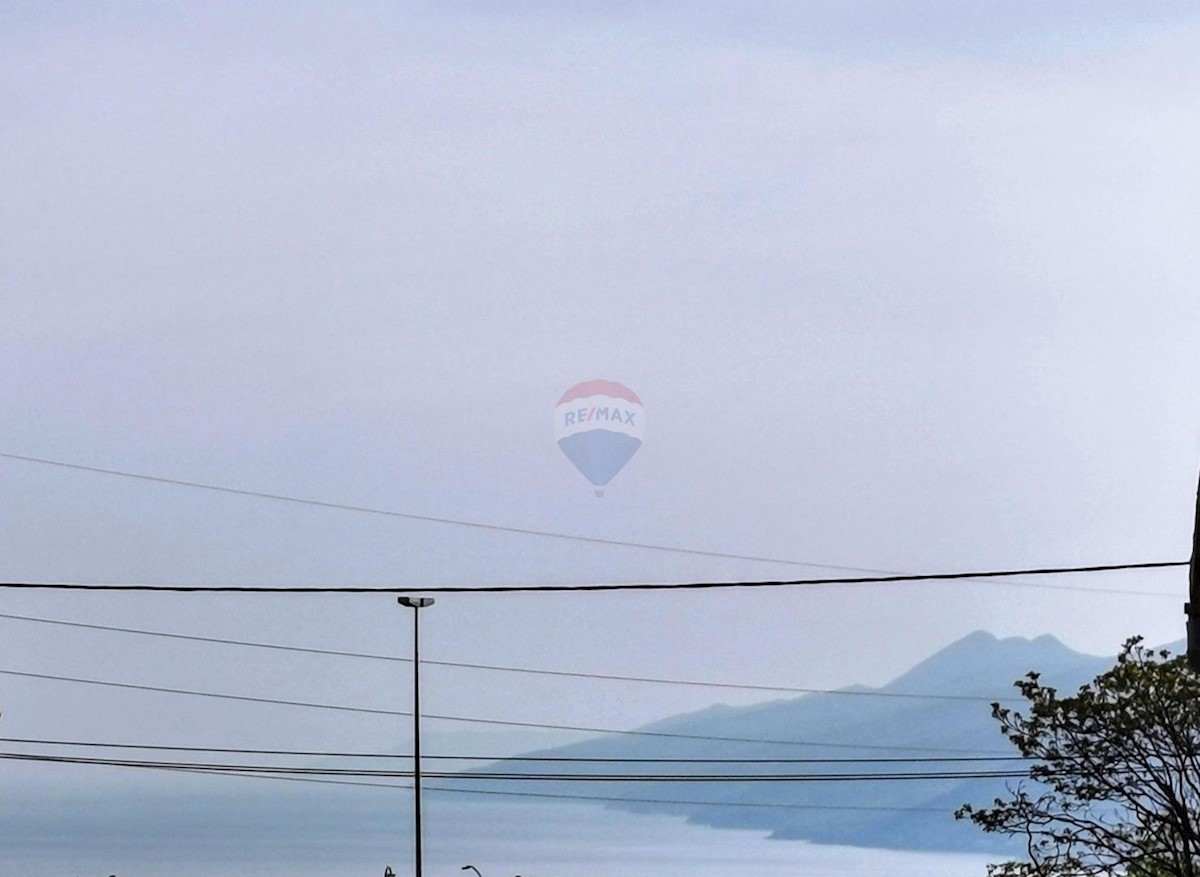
[1114, 775]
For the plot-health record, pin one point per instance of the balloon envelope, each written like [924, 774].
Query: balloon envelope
[599, 426]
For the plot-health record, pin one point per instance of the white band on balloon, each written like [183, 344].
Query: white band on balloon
[599, 412]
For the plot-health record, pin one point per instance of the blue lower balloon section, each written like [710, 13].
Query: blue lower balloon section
[599, 453]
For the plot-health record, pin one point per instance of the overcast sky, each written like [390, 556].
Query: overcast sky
[902, 286]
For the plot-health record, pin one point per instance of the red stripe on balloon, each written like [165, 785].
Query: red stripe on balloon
[600, 388]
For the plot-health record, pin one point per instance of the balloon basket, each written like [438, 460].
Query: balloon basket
[600, 492]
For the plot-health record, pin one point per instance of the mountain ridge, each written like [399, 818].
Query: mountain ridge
[940, 707]
[858, 722]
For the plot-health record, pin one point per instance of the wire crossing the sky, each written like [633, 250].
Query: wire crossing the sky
[489, 776]
[510, 723]
[619, 586]
[877, 577]
[783, 689]
[174, 768]
[500, 759]
[412, 516]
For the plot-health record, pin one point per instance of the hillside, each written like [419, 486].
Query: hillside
[882, 723]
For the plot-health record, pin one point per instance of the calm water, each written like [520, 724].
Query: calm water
[501, 839]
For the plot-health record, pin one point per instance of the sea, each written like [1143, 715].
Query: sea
[497, 839]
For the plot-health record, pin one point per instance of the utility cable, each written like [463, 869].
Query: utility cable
[411, 516]
[478, 776]
[603, 799]
[626, 586]
[842, 692]
[783, 583]
[521, 759]
[624, 800]
[209, 694]
[561, 796]
[548, 534]
[512, 723]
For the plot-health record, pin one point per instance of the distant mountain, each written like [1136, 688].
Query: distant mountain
[941, 707]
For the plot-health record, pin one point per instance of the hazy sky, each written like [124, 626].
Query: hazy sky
[902, 286]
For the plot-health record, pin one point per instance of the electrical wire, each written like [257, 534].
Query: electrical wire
[499, 759]
[731, 778]
[488, 776]
[139, 631]
[411, 516]
[686, 803]
[562, 796]
[512, 723]
[841, 692]
[627, 586]
[880, 577]
[209, 694]
[603, 799]
[783, 583]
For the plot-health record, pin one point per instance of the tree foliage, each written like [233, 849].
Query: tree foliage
[1114, 778]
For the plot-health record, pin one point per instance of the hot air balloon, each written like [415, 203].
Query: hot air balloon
[599, 426]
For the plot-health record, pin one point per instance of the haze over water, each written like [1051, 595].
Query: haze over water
[904, 287]
[502, 840]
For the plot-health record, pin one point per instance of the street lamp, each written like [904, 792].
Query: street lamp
[416, 604]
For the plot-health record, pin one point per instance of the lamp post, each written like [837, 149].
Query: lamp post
[416, 604]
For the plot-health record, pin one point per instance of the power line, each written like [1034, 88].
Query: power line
[478, 776]
[500, 759]
[209, 639]
[736, 686]
[857, 580]
[512, 723]
[879, 578]
[412, 516]
[605, 799]
[735, 778]
[209, 694]
[562, 796]
[623, 800]
[841, 692]
[627, 586]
